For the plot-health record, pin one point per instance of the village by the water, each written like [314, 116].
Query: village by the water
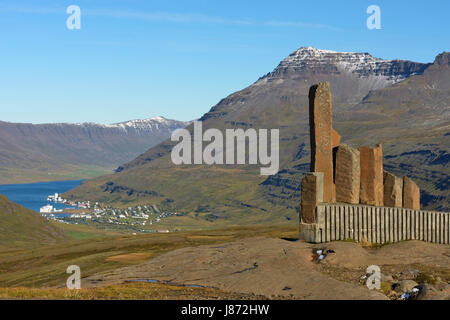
[139, 218]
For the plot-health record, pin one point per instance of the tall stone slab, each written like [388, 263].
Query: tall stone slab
[411, 194]
[393, 190]
[347, 175]
[312, 195]
[320, 124]
[371, 187]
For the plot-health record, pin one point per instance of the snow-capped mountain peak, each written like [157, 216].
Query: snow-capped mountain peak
[153, 123]
[149, 124]
[361, 64]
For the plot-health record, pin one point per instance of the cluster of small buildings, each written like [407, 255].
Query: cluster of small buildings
[104, 215]
[49, 209]
[132, 216]
[56, 198]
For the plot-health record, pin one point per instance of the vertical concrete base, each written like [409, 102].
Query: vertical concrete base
[375, 224]
[309, 232]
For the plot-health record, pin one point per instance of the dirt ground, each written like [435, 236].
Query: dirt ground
[276, 268]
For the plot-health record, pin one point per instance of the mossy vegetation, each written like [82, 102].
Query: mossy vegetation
[425, 278]
[135, 291]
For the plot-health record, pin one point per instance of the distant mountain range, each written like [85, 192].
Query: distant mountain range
[402, 104]
[39, 152]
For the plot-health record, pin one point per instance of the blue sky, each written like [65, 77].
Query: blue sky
[137, 59]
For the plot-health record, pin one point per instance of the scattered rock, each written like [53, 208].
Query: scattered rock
[416, 293]
[406, 285]
[363, 279]
[395, 287]
[320, 254]
[409, 274]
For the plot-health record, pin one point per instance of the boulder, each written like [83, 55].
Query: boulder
[405, 286]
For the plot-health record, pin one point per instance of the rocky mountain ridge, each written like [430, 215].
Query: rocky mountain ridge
[363, 65]
[64, 150]
[151, 124]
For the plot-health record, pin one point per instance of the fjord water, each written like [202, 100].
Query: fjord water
[34, 195]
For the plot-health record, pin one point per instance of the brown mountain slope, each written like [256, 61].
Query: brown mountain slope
[279, 100]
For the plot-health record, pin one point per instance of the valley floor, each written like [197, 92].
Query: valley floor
[235, 263]
[276, 268]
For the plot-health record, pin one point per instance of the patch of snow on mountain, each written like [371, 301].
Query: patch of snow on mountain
[150, 124]
[362, 64]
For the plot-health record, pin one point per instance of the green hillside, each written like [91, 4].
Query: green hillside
[21, 227]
